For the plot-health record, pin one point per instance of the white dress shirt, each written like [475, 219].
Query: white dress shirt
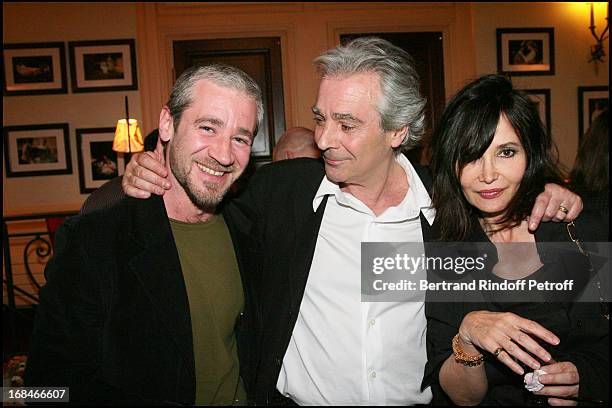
[343, 350]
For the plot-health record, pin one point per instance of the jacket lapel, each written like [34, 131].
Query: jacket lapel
[307, 232]
[152, 256]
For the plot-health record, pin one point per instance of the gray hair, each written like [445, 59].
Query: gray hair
[220, 74]
[401, 103]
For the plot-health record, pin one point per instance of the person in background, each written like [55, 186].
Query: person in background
[491, 157]
[144, 299]
[296, 142]
[590, 174]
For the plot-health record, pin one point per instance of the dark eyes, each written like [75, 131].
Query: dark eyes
[243, 140]
[239, 139]
[320, 121]
[507, 152]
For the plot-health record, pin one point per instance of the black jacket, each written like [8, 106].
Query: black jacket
[113, 322]
[279, 202]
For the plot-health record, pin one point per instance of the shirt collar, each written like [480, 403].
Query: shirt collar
[416, 200]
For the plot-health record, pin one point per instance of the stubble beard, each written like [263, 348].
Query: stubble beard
[205, 196]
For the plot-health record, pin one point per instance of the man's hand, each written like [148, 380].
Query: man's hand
[145, 174]
[561, 382]
[548, 204]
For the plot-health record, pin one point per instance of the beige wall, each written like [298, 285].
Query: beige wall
[46, 22]
[572, 42]
[305, 29]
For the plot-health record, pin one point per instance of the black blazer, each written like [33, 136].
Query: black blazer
[279, 202]
[113, 322]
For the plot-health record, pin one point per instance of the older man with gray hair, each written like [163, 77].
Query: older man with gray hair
[319, 344]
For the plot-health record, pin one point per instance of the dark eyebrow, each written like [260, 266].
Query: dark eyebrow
[509, 144]
[338, 116]
[245, 132]
[346, 116]
[211, 120]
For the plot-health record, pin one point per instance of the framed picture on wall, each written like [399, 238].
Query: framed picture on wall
[34, 69]
[101, 66]
[592, 101]
[98, 162]
[37, 150]
[541, 98]
[526, 51]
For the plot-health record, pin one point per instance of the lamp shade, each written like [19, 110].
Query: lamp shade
[128, 144]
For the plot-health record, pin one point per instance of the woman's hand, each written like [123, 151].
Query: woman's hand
[561, 381]
[548, 205]
[514, 335]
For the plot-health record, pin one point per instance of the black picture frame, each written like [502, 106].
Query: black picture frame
[541, 97]
[37, 150]
[34, 68]
[526, 51]
[98, 163]
[591, 100]
[103, 66]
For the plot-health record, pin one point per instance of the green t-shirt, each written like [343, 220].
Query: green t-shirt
[214, 290]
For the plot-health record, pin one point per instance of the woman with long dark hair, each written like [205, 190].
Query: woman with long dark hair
[491, 157]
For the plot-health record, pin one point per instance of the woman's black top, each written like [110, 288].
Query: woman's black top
[582, 327]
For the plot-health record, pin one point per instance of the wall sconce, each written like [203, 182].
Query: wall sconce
[597, 51]
[128, 138]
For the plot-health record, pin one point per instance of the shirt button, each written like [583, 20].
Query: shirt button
[373, 375]
[372, 322]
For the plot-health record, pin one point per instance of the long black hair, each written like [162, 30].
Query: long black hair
[465, 132]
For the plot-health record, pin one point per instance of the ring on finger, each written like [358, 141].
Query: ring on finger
[498, 351]
[563, 209]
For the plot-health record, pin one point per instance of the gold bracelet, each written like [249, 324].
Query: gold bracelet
[465, 359]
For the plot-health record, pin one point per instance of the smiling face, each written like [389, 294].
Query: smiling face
[490, 182]
[347, 129]
[211, 146]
